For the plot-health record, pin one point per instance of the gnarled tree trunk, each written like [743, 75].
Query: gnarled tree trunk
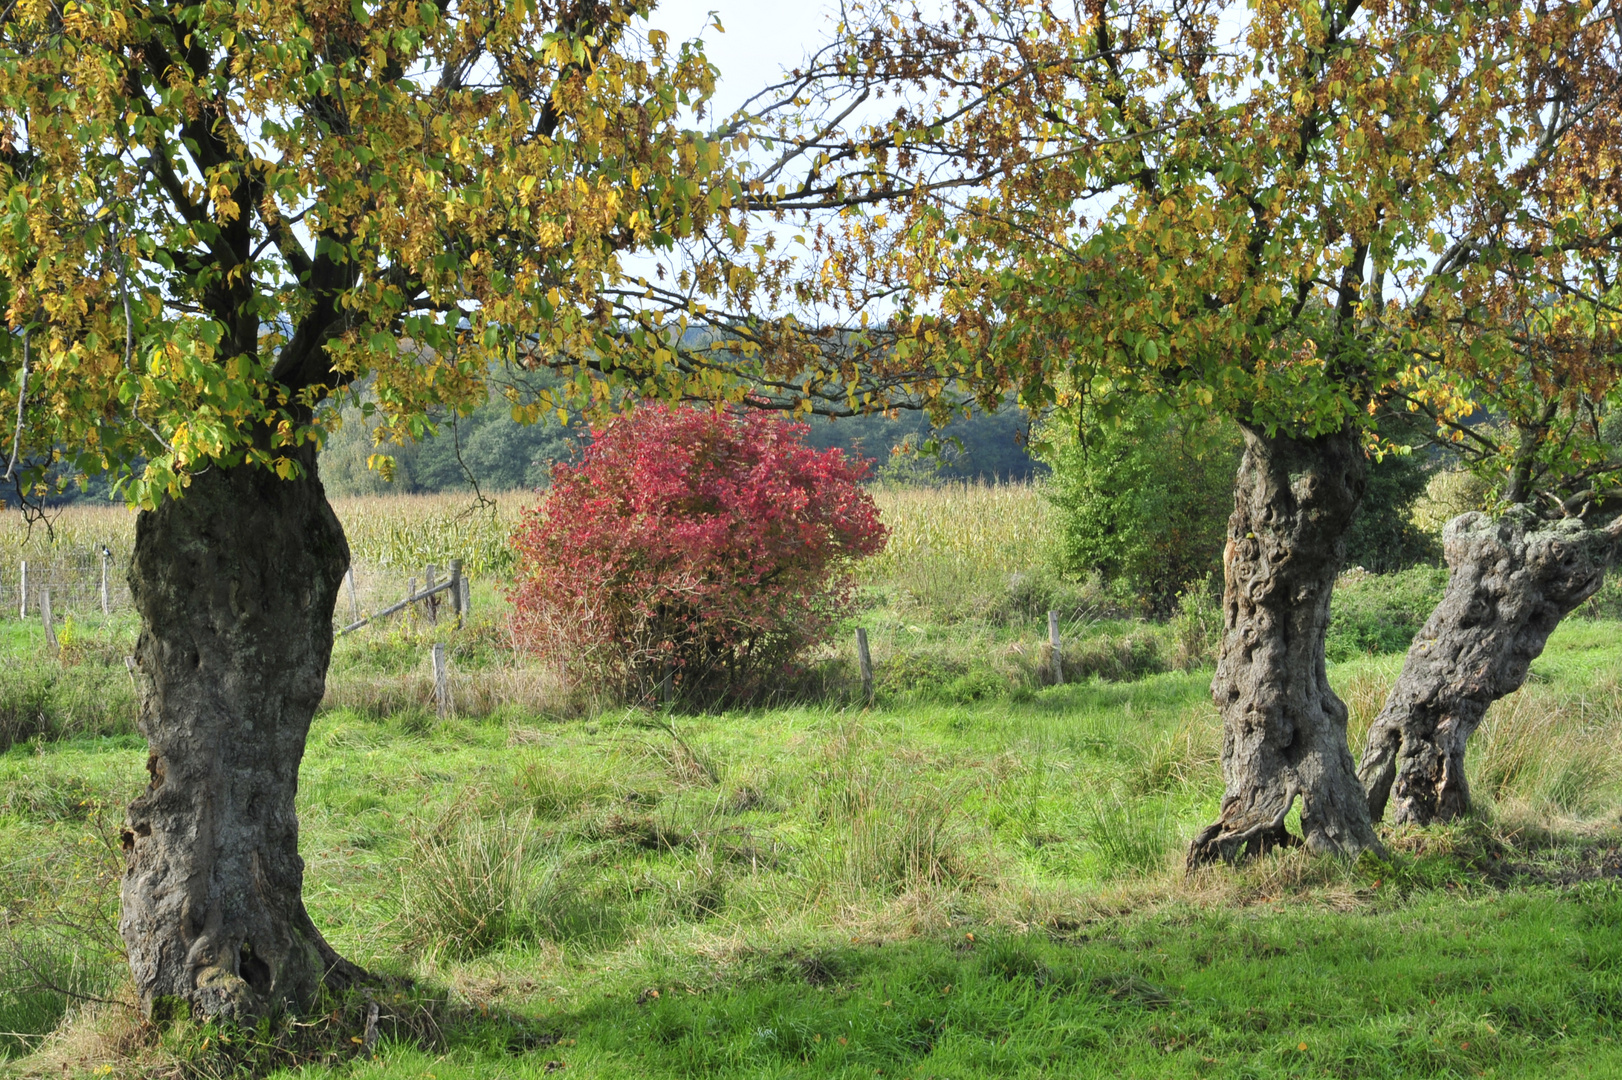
[1283, 728]
[1511, 584]
[235, 584]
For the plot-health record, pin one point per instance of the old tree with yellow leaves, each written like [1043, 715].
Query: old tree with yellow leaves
[221, 217]
[224, 220]
[1294, 213]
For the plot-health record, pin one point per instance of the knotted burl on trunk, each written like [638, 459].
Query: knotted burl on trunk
[1513, 579]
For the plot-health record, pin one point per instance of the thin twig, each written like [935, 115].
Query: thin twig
[480, 500]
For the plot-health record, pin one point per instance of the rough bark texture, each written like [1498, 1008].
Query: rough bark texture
[1283, 728]
[235, 584]
[1510, 586]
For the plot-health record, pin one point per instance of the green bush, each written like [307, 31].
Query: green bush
[975, 685]
[1143, 499]
[933, 676]
[1381, 613]
[1196, 626]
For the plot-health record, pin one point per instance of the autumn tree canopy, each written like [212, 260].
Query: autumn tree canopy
[218, 216]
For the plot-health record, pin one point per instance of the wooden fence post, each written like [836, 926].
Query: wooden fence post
[106, 608]
[442, 682]
[428, 587]
[45, 616]
[1053, 642]
[456, 590]
[411, 590]
[467, 597]
[22, 589]
[864, 659]
[354, 600]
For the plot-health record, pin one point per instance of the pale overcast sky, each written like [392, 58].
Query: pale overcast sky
[762, 38]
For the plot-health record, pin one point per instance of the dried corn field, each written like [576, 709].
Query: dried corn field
[961, 549]
[391, 538]
[953, 549]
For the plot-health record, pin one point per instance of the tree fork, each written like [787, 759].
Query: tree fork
[1283, 728]
[1511, 584]
[235, 584]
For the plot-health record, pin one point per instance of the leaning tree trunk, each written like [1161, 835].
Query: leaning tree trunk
[1510, 586]
[235, 583]
[1283, 728]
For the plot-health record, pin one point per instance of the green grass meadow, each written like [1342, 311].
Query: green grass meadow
[981, 876]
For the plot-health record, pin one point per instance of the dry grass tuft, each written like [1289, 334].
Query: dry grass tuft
[477, 881]
[1284, 875]
[1549, 754]
[1185, 755]
[893, 835]
[99, 1039]
[891, 831]
[531, 690]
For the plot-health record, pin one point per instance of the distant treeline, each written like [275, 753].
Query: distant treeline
[490, 448]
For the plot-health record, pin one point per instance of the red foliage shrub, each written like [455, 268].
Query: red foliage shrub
[710, 547]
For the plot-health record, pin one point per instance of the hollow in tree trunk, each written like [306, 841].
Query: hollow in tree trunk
[1511, 584]
[1283, 728]
[235, 584]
